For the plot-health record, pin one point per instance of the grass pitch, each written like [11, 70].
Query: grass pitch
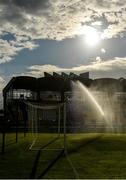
[92, 155]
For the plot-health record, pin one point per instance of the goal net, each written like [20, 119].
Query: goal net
[46, 126]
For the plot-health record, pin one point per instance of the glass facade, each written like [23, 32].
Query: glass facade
[50, 96]
[21, 94]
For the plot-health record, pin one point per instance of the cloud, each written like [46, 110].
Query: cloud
[98, 60]
[103, 50]
[30, 20]
[2, 84]
[9, 49]
[99, 68]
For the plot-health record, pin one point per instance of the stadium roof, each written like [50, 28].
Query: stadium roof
[62, 82]
[55, 82]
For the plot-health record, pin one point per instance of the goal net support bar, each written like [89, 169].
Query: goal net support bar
[33, 121]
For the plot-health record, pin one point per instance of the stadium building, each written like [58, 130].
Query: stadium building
[44, 98]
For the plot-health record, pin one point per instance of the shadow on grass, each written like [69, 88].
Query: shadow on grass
[51, 164]
[10, 143]
[84, 143]
[49, 143]
[35, 165]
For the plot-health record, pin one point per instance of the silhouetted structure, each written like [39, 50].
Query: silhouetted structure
[55, 89]
[50, 89]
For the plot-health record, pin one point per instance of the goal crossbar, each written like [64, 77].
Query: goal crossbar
[34, 108]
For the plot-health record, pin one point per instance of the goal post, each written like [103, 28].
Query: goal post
[49, 122]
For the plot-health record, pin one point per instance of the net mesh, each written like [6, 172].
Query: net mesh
[45, 126]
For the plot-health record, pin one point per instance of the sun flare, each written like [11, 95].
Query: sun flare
[92, 38]
[91, 35]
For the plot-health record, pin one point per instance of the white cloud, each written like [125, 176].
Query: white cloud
[98, 60]
[96, 23]
[9, 49]
[2, 84]
[111, 68]
[103, 50]
[29, 20]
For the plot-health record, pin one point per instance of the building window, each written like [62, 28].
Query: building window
[50, 96]
[21, 94]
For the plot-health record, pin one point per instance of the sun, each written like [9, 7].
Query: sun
[92, 38]
[91, 35]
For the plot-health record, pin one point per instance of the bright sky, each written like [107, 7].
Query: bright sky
[67, 35]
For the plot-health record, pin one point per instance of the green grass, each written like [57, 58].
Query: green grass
[93, 156]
